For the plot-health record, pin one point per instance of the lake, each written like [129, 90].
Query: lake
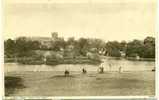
[126, 65]
[136, 79]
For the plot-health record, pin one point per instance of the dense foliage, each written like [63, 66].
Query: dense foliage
[144, 49]
[24, 47]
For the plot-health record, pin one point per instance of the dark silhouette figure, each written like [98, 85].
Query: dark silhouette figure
[84, 71]
[67, 73]
[153, 69]
[101, 69]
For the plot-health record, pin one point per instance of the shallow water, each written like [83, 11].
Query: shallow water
[91, 84]
[136, 78]
[109, 64]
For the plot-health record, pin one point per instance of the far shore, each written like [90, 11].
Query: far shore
[130, 58]
[32, 61]
[84, 60]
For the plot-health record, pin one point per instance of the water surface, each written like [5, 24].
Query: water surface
[110, 64]
[135, 79]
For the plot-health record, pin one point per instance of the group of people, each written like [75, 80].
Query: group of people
[84, 71]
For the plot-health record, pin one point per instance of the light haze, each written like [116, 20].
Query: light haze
[104, 19]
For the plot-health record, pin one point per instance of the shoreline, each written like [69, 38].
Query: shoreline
[32, 61]
[129, 58]
[84, 60]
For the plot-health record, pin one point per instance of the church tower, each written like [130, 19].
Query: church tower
[54, 35]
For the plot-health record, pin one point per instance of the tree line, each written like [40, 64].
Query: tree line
[23, 47]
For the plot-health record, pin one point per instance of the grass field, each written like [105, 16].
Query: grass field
[50, 83]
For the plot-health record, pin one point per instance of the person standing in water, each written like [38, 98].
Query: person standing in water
[67, 72]
[84, 71]
[120, 69]
[110, 66]
[101, 68]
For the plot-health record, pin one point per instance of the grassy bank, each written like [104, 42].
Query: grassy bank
[9, 60]
[128, 58]
[140, 59]
[24, 60]
[12, 83]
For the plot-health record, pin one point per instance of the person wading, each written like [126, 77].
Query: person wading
[101, 69]
[110, 67]
[120, 69]
[84, 71]
[67, 72]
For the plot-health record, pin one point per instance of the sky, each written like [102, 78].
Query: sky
[105, 19]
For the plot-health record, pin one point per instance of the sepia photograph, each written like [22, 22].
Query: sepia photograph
[79, 48]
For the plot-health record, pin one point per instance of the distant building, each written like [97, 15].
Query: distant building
[122, 53]
[137, 57]
[45, 41]
[54, 35]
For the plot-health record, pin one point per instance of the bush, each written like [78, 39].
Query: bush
[93, 56]
[12, 83]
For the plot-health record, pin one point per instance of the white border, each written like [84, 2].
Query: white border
[1, 51]
[157, 51]
[75, 97]
[81, 97]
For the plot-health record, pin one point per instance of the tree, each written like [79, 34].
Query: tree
[123, 45]
[9, 48]
[144, 49]
[24, 47]
[58, 44]
[113, 48]
[83, 46]
[149, 47]
[97, 45]
[34, 45]
[71, 41]
[134, 48]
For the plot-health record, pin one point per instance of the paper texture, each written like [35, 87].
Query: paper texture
[79, 48]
